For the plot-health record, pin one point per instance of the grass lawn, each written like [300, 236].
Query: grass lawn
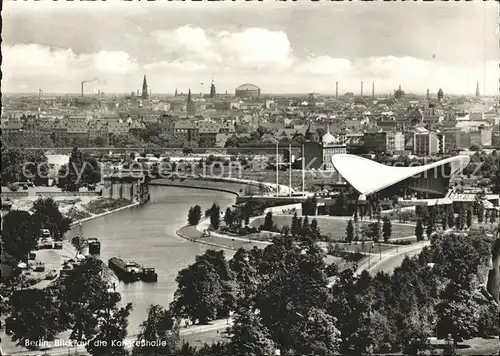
[334, 227]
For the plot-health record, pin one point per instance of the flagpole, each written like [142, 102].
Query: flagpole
[290, 170]
[303, 171]
[277, 170]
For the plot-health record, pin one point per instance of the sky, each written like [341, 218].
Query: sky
[282, 47]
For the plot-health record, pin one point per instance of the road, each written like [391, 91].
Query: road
[391, 258]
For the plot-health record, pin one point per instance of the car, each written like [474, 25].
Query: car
[51, 275]
[58, 245]
[45, 233]
[39, 267]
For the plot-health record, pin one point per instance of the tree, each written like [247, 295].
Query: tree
[268, 222]
[111, 327]
[81, 295]
[469, 218]
[229, 217]
[79, 242]
[480, 213]
[458, 256]
[419, 230]
[351, 305]
[73, 181]
[294, 229]
[340, 205]
[22, 165]
[36, 317]
[451, 218]
[496, 183]
[202, 290]
[309, 206]
[317, 334]
[349, 232]
[430, 228]
[457, 316]
[249, 336]
[315, 231]
[194, 215]
[158, 335]
[47, 212]
[19, 234]
[387, 229]
[214, 214]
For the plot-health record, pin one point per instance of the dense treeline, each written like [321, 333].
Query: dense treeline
[279, 299]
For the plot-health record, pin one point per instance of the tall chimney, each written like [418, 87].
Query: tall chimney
[336, 89]
[361, 88]
[98, 93]
[82, 89]
[373, 90]
[39, 94]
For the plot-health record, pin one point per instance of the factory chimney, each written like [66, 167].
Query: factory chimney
[373, 90]
[98, 93]
[82, 88]
[39, 94]
[336, 90]
[361, 88]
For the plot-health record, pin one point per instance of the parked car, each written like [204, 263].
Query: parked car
[51, 275]
[39, 267]
[45, 234]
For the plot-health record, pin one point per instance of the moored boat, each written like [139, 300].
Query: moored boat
[126, 271]
[94, 246]
[149, 275]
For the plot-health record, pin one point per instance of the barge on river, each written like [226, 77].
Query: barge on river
[94, 246]
[129, 271]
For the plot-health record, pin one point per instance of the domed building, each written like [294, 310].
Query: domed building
[247, 91]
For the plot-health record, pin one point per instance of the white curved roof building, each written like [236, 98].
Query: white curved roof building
[368, 177]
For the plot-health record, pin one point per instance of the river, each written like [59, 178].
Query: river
[147, 235]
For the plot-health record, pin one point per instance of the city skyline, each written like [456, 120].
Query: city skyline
[281, 48]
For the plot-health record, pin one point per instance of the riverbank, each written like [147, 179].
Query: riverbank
[53, 259]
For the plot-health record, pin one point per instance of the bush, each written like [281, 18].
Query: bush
[403, 242]
[13, 187]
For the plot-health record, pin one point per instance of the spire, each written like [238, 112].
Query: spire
[145, 93]
[190, 106]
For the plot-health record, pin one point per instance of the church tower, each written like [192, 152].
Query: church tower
[145, 93]
[212, 90]
[190, 104]
[477, 89]
[440, 94]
